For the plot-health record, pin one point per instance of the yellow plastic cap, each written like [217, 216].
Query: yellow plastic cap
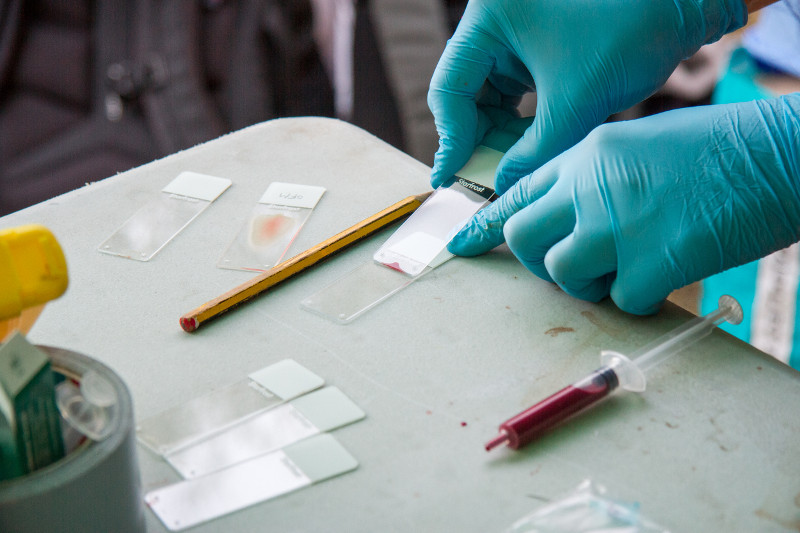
[33, 270]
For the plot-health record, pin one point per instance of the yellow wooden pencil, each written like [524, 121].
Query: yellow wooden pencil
[283, 271]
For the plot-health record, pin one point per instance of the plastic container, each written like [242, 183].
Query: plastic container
[94, 488]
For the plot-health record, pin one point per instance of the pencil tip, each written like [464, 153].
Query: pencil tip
[422, 197]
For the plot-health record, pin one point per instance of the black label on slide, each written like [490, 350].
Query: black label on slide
[477, 188]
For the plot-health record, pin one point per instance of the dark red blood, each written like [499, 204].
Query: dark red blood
[535, 421]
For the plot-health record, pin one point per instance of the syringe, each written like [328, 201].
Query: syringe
[618, 370]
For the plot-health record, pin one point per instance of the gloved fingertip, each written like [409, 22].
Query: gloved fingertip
[477, 237]
[449, 158]
[436, 179]
[589, 291]
[638, 306]
[468, 244]
[459, 246]
[439, 173]
[514, 233]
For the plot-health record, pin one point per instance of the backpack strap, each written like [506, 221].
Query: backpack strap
[298, 79]
[249, 94]
[111, 132]
[177, 105]
[10, 15]
[374, 104]
[412, 35]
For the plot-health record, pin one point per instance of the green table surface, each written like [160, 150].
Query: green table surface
[712, 445]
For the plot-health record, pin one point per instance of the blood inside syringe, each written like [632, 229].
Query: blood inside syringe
[535, 421]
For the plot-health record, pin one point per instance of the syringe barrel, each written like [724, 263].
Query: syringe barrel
[686, 334]
[537, 420]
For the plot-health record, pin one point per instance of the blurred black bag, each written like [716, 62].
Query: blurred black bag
[90, 88]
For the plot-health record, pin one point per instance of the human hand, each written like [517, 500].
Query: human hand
[586, 58]
[640, 208]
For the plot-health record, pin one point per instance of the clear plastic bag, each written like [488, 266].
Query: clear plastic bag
[586, 510]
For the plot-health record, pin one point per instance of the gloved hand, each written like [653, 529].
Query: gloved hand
[640, 208]
[587, 58]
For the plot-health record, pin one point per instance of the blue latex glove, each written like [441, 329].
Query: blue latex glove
[640, 208]
[588, 59]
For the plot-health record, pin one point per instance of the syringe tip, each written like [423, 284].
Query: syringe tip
[501, 438]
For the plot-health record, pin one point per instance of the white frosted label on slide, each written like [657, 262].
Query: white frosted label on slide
[419, 246]
[287, 379]
[200, 186]
[292, 195]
